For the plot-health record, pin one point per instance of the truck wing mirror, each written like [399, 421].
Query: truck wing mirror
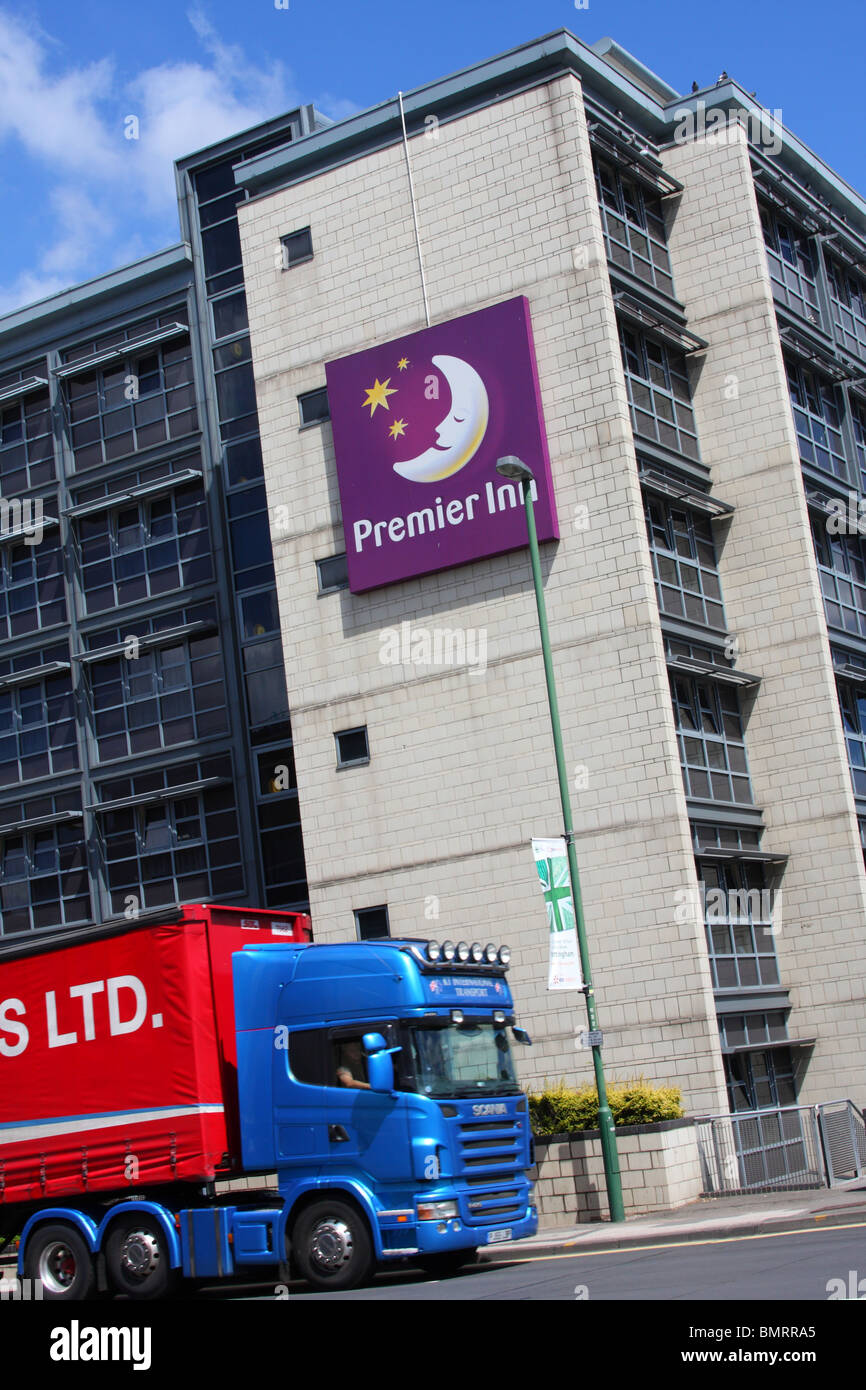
[522, 1036]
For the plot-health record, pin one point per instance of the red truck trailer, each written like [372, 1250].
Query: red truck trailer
[117, 1054]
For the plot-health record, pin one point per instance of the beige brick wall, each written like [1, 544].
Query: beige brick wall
[461, 772]
[660, 1170]
[770, 584]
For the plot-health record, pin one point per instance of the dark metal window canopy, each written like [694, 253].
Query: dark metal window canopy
[638, 159]
[712, 507]
[765, 1046]
[59, 818]
[84, 364]
[750, 856]
[808, 350]
[664, 328]
[855, 674]
[13, 537]
[22, 388]
[164, 638]
[692, 666]
[33, 674]
[119, 499]
[162, 794]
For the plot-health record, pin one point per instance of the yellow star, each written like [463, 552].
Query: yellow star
[402, 364]
[378, 395]
[398, 427]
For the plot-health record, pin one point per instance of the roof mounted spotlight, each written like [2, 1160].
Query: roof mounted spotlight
[463, 952]
[432, 951]
[504, 955]
[490, 955]
[476, 952]
[448, 951]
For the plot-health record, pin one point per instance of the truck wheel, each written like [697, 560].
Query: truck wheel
[137, 1259]
[58, 1258]
[332, 1246]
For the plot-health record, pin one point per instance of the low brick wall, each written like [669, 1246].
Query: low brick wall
[659, 1165]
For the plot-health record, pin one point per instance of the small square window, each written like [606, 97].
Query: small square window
[313, 407]
[333, 574]
[352, 747]
[297, 247]
[372, 922]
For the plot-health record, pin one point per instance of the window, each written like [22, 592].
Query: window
[131, 403]
[32, 593]
[352, 747]
[792, 265]
[26, 443]
[684, 563]
[848, 305]
[710, 738]
[817, 418]
[297, 248]
[858, 429]
[144, 548]
[43, 878]
[229, 315]
[333, 573]
[852, 702]
[159, 698]
[37, 729]
[658, 390]
[738, 921]
[265, 680]
[842, 570]
[313, 407]
[182, 849]
[633, 226]
[372, 923]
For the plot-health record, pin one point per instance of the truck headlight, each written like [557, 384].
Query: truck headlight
[436, 1211]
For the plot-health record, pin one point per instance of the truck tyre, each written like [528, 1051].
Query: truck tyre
[58, 1258]
[332, 1246]
[137, 1258]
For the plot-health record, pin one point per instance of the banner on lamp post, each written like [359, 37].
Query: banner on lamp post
[551, 861]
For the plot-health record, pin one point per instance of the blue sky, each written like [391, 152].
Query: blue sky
[79, 199]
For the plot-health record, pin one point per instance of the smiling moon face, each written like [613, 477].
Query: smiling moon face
[459, 435]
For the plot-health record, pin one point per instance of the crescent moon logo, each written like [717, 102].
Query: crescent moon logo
[459, 435]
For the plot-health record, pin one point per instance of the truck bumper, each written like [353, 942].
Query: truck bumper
[438, 1237]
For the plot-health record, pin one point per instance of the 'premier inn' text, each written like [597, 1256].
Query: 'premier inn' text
[439, 516]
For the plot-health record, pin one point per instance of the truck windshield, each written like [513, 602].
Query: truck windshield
[464, 1059]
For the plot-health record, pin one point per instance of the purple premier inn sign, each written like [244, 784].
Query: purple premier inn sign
[418, 426]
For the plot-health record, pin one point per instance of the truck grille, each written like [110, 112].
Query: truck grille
[491, 1154]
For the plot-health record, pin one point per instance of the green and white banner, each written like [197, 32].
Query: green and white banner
[551, 861]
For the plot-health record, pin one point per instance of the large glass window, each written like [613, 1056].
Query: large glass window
[852, 702]
[842, 570]
[817, 417]
[792, 264]
[710, 737]
[146, 548]
[183, 849]
[848, 304]
[658, 391]
[633, 226]
[464, 1059]
[37, 730]
[32, 594]
[43, 879]
[158, 699]
[132, 403]
[738, 918]
[26, 443]
[684, 563]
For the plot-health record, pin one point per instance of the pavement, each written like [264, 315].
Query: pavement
[709, 1218]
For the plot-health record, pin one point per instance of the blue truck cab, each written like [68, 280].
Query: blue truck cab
[377, 1079]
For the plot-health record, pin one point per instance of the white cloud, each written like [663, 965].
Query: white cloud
[71, 119]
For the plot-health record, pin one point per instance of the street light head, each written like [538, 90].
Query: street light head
[511, 467]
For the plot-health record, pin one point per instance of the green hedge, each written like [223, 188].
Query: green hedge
[562, 1109]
